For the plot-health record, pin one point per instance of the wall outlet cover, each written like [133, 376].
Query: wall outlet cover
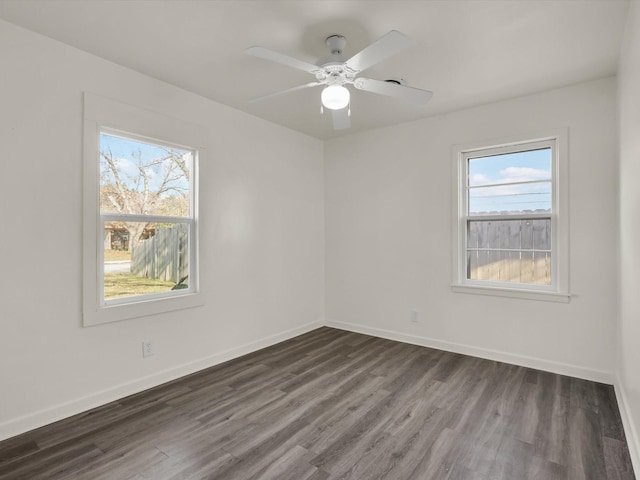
[147, 348]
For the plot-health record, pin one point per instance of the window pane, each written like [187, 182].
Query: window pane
[509, 234]
[510, 199]
[541, 234]
[509, 266]
[143, 178]
[510, 167]
[142, 258]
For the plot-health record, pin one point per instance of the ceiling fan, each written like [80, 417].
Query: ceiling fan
[335, 73]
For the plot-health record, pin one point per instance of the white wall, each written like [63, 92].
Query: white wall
[262, 238]
[629, 335]
[388, 214]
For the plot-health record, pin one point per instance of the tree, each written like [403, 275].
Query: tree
[151, 180]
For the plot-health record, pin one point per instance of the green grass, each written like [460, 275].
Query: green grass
[116, 255]
[125, 285]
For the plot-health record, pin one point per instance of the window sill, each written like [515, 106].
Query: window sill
[512, 293]
[141, 308]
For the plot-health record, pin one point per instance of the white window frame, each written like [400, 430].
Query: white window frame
[102, 115]
[558, 291]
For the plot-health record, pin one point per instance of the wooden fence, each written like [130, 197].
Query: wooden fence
[510, 251]
[164, 256]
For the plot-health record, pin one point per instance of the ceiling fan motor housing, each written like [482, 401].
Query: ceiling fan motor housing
[335, 74]
[333, 70]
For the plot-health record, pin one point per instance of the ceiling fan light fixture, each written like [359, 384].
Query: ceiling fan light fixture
[335, 97]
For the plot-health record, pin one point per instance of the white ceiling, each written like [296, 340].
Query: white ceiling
[466, 52]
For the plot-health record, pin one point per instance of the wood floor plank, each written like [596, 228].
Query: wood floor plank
[293, 464]
[610, 420]
[126, 462]
[42, 463]
[333, 404]
[17, 450]
[330, 429]
[440, 457]
[257, 457]
[586, 453]
[552, 436]
[616, 459]
[460, 472]
[481, 447]
[198, 463]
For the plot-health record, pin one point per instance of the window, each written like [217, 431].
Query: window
[140, 218]
[146, 216]
[511, 219]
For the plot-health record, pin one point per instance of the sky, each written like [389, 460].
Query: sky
[501, 171]
[491, 179]
[123, 150]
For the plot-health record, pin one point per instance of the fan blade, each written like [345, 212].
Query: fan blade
[341, 120]
[275, 94]
[278, 57]
[410, 94]
[386, 46]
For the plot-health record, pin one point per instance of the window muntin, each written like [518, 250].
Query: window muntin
[146, 214]
[508, 216]
[510, 199]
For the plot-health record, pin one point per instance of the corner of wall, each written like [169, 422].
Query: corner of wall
[631, 434]
[628, 334]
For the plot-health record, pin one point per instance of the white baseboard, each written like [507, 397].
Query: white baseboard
[522, 360]
[630, 432]
[58, 412]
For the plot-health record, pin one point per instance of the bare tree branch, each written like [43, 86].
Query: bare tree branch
[147, 190]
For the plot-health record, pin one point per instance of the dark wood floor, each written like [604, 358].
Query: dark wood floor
[338, 405]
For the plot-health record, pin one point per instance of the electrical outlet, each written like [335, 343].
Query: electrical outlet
[147, 348]
[415, 316]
